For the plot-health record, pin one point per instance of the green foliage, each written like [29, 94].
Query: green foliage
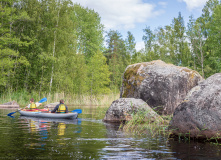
[196, 47]
[56, 46]
[48, 46]
[98, 75]
[117, 58]
[130, 45]
[213, 41]
[10, 57]
[89, 31]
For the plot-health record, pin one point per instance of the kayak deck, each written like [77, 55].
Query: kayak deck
[49, 115]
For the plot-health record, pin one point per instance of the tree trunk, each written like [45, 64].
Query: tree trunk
[54, 47]
[41, 81]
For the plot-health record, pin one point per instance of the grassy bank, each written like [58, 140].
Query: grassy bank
[23, 97]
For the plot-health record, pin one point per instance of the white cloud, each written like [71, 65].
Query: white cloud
[118, 14]
[194, 4]
[163, 4]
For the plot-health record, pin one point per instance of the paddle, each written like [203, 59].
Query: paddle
[10, 114]
[79, 111]
[41, 101]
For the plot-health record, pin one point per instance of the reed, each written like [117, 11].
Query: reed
[23, 97]
[101, 111]
[140, 125]
[90, 100]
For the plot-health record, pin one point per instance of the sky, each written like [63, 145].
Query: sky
[136, 15]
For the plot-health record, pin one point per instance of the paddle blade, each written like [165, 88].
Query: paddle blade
[10, 114]
[43, 100]
[79, 111]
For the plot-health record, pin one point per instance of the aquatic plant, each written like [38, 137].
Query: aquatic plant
[141, 123]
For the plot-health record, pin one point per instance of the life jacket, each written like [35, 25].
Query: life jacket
[61, 128]
[33, 106]
[33, 127]
[61, 108]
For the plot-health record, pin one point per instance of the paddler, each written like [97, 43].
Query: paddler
[60, 108]
[33, 105]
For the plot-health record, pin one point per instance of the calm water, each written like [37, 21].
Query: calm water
[88, 138]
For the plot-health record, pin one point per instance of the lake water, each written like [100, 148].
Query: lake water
[89, 138]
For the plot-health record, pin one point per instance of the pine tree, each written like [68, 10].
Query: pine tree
[130, 45]
[117, 58]
[179, 30]
[151, 52]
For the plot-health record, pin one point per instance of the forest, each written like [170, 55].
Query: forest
[54, 46]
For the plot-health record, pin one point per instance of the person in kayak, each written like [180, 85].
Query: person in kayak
[60, 108]
[33, 105]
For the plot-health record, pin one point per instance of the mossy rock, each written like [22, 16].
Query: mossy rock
[162, 86]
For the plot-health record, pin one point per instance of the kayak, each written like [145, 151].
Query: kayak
[43, 114]
[54, 120]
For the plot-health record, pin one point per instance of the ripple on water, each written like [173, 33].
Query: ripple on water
[90, 139]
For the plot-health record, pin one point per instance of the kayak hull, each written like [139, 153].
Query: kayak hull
[48, 120]
[73, 115]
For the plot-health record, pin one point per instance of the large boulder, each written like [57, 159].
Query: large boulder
[122, 110]
[163, 86]
[199, 115]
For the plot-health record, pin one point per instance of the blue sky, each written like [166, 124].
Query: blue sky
[136, 15]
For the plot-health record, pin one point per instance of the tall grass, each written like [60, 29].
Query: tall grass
[87, 100]
[23, 97]
[141, 124]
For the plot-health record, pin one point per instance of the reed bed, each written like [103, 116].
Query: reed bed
[140, 125]
[86, 100]
[23, 97]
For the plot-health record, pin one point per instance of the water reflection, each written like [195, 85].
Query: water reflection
[128, 146]
[195, 150]
[61, 128]
[89, 138]
[40, 128]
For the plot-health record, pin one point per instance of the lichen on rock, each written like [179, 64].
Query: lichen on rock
[162, 86]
